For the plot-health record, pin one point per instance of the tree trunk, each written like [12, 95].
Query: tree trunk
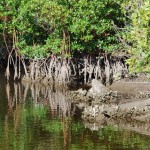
[63, 44]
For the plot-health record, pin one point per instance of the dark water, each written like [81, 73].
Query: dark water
[40, 118]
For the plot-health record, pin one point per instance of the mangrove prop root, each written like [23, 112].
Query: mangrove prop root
[65, 70]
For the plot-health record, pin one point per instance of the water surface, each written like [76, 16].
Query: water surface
[38, 117]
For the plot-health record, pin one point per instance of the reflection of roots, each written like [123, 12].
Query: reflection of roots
[46, 96]
[9, 97]
[39, 97]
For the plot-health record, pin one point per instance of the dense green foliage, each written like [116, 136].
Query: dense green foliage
[39, 28]
[53, 26]
[138, 35]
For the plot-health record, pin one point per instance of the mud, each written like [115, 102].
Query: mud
[130, 104]
[131, 91]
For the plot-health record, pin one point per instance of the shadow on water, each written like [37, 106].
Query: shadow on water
[34, 116]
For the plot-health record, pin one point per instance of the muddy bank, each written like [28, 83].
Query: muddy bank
[122, 100]
[137, 110]
[131, 90]
[97, 94]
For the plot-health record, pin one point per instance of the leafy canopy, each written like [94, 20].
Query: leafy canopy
[138, 36]
[42, 27]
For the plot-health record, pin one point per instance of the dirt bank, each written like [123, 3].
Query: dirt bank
[131, 102]
[131, 91]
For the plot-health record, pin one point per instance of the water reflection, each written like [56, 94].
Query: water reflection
[48, 96]
[131, 125]
[48, 108]
[39, 117]
[42, 96]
